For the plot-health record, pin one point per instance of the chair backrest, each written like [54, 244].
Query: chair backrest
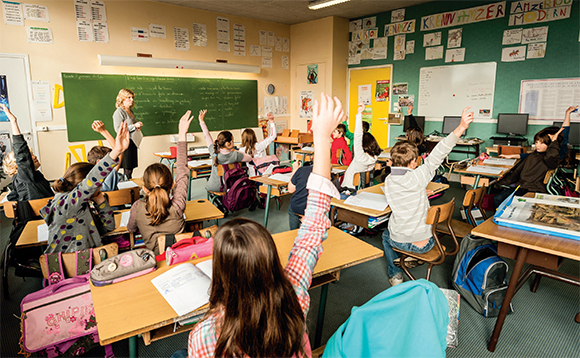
[11, 211]
[69, 262]
[473, 199]
[182, 236]
[508, 149]
[122, 196]
[366, 179]
[443, 213]
[222, 168]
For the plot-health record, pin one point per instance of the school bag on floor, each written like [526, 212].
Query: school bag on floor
[479, 275]
[240, 191]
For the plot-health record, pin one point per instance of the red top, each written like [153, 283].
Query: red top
[340, 143]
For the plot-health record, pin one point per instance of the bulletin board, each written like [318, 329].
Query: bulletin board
[379, 103]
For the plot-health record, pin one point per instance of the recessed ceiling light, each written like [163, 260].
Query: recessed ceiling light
[319, 4]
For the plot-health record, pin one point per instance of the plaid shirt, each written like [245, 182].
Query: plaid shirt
[303, 257]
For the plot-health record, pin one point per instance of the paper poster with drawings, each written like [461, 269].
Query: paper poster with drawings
[382, 90]
[367, 116]
[512, 36]
[353, 48]
[434, 53]
[366, 53]
[276, 105]
[306, 102]
[255, 50]
[263, 37]
[511, 54]
[454, 38]
[286, 44]
[379, 53]
[399, 48]
[285, 62]
[355, 25]
[365, 94]
[432, 39]
[370, 22]
[380, 42]
[455, 55]
[354, 60]
[278, 46]
[266, 51]
[537, 50]
[535, 34]
[266, 62]
[406, 101]
[400, 88]
[271, 39]
[312, 74]
[398, 15]
[410, 47]
[3, 97]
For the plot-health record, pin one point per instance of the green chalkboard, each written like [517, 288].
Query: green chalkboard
[159, 102]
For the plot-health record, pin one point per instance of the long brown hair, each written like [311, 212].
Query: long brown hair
[72, 177]
[222, 138]
[158, 180]
[261, 313]
[370, 145]
[249, 141]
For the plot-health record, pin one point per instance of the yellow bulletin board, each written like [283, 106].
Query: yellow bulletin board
[369, 76]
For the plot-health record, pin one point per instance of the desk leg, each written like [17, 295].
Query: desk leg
[267, 208]
[521, 258]
[133, 347]
[476, 181]
[189, 186]
[320, 320]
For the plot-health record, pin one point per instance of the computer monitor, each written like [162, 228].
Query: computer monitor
[574, 137]
[420, 121]
[512, 123]
[450, 123]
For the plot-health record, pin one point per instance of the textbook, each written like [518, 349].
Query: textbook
[186, 286]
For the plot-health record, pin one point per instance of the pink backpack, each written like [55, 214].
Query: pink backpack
[60, 319]
[263, 163]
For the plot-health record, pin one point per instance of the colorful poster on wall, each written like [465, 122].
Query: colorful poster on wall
[455, 55]
[432, 39]
[369, 22]
[398, 15]
[312, 74]
[367, 116]
[382, 91]
[410, 48]
[400, 88]
[454, 38]
[464, 16]
[511, 54]
[365, 94]
[530, 12]
[536, 50]
[434, 53]
[549, 98]
[306, 102]
[3, 97]
[407, 101]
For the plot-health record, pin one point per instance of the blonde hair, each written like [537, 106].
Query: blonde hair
[9, 164]
[249, 141]
[158, 180]
[124, 94]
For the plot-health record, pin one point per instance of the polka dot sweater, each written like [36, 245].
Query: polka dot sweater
[71, 224]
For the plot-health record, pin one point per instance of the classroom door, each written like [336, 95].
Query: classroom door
[373, 86]
[18, 85]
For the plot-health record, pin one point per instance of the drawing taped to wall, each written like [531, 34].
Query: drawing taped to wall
[3, 97]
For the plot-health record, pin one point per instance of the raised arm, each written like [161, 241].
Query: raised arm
[99, 127]
[180, 190]
[207, 136]
[263, 144]
[24, 160]
[569, 111]
[291, 185]
[358, 132]
[12, 118]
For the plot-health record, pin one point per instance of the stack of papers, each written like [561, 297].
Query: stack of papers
[485, 169]
[199, 163]
[368, 200]
[285, 177]
[499, 161]
[201, 150]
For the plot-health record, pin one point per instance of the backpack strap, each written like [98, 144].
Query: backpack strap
[54, 267]
[84, 262]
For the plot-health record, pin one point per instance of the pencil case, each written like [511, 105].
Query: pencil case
[123, 267]
[188, 249]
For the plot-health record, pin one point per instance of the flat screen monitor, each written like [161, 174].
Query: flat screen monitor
[574, 137]
[420, 121]
[450, 123]
[512, 123]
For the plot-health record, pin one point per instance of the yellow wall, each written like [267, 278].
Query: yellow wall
[67, 54]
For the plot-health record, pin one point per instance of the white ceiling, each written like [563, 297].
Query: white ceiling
[293, 11]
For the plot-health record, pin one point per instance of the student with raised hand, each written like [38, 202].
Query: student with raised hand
[257, 307]
[366, 151]
[159, 214]
[71, 225]
[221, 151]
[98, 152]
[250, 144]
[28, 183]
[407, 197]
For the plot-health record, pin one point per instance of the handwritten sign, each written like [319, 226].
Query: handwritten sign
[535, 5]
[556, 13]
[400, 28]
[465, 16]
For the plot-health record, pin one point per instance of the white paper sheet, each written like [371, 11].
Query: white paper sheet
[206, 267]
[281, 177]
[162, 153]
[337, 171]
[199, 163]
[42, 106]
[368, 200]
[269, 169]
[137, 138]
[13, 13]
[202, 150]
[485, 169]
[499, 161]
[42, 233]
[308, 149]
[125, 218]
[185, 287]
[126, 185]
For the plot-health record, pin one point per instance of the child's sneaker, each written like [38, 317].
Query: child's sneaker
[397, 279]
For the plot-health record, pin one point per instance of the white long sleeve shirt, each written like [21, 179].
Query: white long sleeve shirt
[260, 150]
[361, 161]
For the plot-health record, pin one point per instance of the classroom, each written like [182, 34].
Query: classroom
[261, 65]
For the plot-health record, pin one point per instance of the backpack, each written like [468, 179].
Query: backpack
[263, 163]
[240, 191]
[479, 275]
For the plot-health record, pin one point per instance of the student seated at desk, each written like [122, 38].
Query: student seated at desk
[338, 142]
[98, 152]
[71, 225]
[257, 307]
[366, 151]
[159, 214]
[250, 144]
[297, 186]
[406, 194]
[28, 183]
[530, 173]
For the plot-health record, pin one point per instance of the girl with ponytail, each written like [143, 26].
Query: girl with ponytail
[158, 214]
[221, 151]
[71, 225]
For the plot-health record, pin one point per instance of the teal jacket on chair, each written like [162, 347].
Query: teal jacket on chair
[407, 320]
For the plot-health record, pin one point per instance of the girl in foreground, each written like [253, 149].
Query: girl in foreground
[257, 307]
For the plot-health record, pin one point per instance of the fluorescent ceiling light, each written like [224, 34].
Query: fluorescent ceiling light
[319, 4]
[108, 60]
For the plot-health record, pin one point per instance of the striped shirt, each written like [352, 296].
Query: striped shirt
[406, 194]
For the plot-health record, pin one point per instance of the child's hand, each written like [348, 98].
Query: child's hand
[202, 113]
[9, 114]
[270, 117]
[466, 117]
[554, 136]
[324, 118]
[98, 126]
[361, 108]
[571, 109]
[184, 123]
[409, 110]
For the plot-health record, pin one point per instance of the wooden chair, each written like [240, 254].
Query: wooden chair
[366, 179]
[69, 259]
[508, 149]
[436, 256]
[163, 245]
[122, 196]
[473, 199]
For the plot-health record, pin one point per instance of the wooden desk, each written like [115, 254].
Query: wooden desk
[542, 251]
[303, 155]
[202, 171]
[359, 216]
[120, 316]
[272, 188]
[478, 175]
[172, 159]
[196, 211]
[495, 149]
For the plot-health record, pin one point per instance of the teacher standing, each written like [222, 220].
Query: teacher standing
[124, 113]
